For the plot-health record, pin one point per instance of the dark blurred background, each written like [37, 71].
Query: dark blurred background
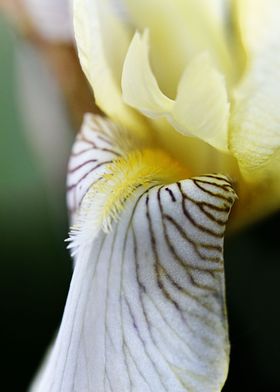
[36, 267]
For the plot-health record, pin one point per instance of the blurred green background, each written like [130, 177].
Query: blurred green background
[36, 267]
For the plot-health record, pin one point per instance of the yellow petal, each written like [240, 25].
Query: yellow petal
[255, 126]
[146, 305]
[102, 42]
[201, 108]
[181, 29]
[139, 85]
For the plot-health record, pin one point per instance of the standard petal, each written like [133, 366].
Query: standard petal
[255, 130]
[139, 85]
[102, 42]
[201, 108]
[181, 29]
[146, 306]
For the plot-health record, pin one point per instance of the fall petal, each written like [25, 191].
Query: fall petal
[146, 306]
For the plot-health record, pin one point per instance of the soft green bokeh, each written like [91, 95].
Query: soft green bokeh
[34, 263]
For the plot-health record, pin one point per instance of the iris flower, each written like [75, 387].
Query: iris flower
[190, 91]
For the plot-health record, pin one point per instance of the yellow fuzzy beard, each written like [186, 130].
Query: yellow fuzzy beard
[106, 199]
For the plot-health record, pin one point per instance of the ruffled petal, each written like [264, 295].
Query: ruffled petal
[201, 108]
[255, 129]
[146, 306]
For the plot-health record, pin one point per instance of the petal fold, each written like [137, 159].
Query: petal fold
[146, 306]
[201, 108]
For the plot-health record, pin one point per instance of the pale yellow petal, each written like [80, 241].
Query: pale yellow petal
[255, 126]
[201, 108]
[181, 29]
[139, 85]
[102, 42]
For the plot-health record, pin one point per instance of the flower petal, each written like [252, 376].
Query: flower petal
[255, 130]
[139, 85]
[201, 108]
[202, 105]
[102, 41]
[180, 30]
[146, 306]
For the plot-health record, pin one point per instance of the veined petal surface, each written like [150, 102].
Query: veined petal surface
[146, 306]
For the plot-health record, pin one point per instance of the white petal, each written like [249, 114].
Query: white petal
[146, 306]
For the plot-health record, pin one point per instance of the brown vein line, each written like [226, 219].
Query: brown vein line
[188, 215]
[190, 241]
[78, 153]
[153, 303]
[84, 139]
[181, 263]
[103, 139]
[157, 264]
[72, 170]
[144, 291]
[138, 281]
[107, 329]
[223, 182]
[169, 297]
[70, 187]
[142, 340]
[122, 290]
[109, 384]
[72, 323]
[173, 198]
[145, 314]
[94, 146]
[201, 205]
[205, 190]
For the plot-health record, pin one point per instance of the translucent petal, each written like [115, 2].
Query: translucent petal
[255, 131]
[102, 41]
[202, 105]
[139, 85]
[181, 29]
[146, 306]
[201, 108]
